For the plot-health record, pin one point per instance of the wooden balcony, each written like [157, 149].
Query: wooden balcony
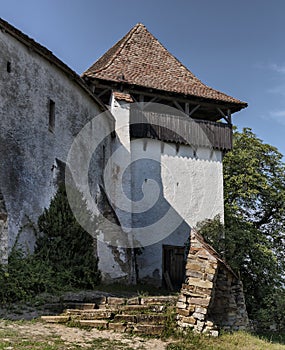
[180, 129]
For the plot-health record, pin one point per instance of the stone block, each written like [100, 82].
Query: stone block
[199, 283]
[89, 314]
[181, 305]
[55, 319]
[134, 301]
[184, 313]
[189, 320]
[201, 310]
[125, 318]
[182, 299]
[199, 301]
[210, 270]
[159, 300]
[198, 316]
[117, 327]
[148, 329]
[195, 266]
[116, 301]
[199, 326]
[101, 324]
[191, 308]
[214, 333]
[195, 274]
[151, 318]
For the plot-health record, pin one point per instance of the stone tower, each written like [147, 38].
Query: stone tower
[168, 175]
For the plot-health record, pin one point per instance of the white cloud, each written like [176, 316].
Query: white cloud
[277, 68]
[278, 116]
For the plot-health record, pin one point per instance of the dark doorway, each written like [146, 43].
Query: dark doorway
[174, 265]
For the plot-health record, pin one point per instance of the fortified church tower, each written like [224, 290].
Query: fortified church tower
[171, 133]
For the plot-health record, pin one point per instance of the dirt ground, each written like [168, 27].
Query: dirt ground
[81, 337]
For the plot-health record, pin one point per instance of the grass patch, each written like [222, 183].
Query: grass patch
[227, 341]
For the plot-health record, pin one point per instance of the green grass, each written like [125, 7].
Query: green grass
[227, 341]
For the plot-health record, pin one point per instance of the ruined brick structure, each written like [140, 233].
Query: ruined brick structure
[212, 296]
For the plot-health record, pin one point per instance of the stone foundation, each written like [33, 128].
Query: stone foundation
[212, 296]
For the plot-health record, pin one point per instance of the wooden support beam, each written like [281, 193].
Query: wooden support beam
[230, 116]
[151, 101]
[224, 116]
[194, 110]
[103, 92]
[187, 108]
[178, 106]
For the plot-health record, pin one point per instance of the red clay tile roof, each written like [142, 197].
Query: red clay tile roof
[122, 96]
[140, 59]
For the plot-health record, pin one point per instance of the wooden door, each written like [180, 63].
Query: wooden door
[174, 264]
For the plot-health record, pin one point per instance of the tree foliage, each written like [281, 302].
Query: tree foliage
[64, 257]
[65, 246]
[254, 231]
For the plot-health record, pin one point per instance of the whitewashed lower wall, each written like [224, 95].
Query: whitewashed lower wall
[193, 186]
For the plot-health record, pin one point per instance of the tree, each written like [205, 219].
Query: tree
[65, 246]
[254, 231]
[254, 190]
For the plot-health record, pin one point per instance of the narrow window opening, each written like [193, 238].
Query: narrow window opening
[51, 122]
[9, 67]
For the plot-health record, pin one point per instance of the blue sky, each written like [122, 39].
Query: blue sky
[236, 46]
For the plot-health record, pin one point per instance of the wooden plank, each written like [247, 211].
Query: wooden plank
[168, 281]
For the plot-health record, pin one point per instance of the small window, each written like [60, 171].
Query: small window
[51, 122]
[9, 67]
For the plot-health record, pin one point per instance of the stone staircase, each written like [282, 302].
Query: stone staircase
[137, 315]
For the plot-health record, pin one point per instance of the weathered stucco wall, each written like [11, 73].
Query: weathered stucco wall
[192, 186]
[28, 149]
[163, 180]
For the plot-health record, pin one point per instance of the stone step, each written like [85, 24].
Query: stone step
[136, 328]
[95, 314]
[148, 329]
[101, 324]
[141, 318]
[159, 300]
[55, 319]
[80, 306]
[139, 315]
[157, 319]
[133, 308]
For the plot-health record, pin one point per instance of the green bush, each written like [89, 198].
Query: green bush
[64, 257]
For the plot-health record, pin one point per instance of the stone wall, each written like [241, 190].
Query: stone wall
[212, 296]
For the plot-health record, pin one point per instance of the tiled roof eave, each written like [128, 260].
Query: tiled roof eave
[234, 106]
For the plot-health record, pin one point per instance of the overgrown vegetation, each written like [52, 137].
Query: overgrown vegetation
[253, 238]
[63, 259]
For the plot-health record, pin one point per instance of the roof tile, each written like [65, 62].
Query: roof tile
[140, 59]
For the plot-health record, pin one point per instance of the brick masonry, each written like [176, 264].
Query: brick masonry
[212, 296]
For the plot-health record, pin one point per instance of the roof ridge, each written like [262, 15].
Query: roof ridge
[127, 37]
